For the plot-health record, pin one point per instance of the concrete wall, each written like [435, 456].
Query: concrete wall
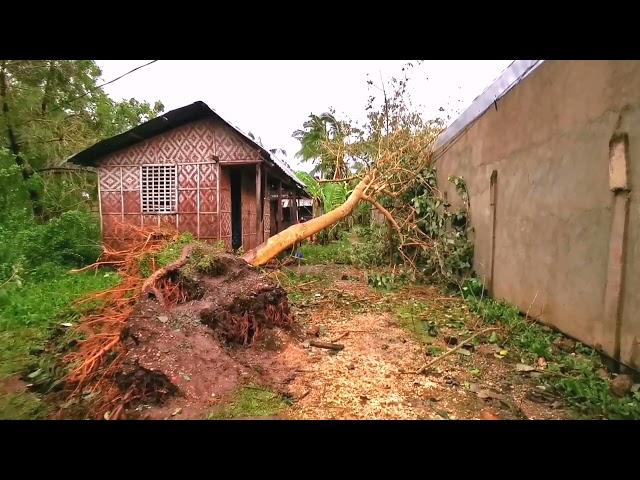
[557, 249]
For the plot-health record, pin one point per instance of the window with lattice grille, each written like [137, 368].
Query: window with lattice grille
[158, 189]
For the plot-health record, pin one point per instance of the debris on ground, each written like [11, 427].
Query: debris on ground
[327, 345]
[565, 344]
[216, 338]
[177, 339]
[621, 385]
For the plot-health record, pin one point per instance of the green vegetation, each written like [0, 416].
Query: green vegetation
[334, 252]
[361, 246]
[31, 247]
[314, 137]
[425, 320]
[413, 317]
[576, 375]
[206, 262]
[31, 312]
[388, 281]
[292, 278]
[22, 406]
[252, 401]
[168, 254]
[448, 258]
[52, 109]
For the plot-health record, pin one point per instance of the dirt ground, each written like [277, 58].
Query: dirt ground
[372, 377]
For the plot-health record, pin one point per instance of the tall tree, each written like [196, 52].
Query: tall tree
[54, 108]
[314, 137]
[392, 150]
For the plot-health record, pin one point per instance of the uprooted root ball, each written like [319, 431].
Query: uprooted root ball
[146, 385]
[247, 316]
[181, 341]
[177, 344]
[234, 299]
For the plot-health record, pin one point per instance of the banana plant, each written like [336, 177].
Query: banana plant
[328, 195]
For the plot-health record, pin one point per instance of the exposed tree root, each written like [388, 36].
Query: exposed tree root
[97, 357]
[151, 283]
[217, 289]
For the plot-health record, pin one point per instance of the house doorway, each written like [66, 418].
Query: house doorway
[236, 208]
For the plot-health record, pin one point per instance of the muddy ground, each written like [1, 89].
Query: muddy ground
[372, 377]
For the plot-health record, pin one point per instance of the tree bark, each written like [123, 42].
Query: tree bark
[296, 233]
[13, 143]
[27, 170]
[150, 284]
[47, 87]
[329, 346]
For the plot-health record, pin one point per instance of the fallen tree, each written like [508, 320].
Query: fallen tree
[384, 163]
[390, 168]
[398, 160]
[389, 165]
[205, 301]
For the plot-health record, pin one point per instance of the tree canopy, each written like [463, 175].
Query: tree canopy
[51, 109]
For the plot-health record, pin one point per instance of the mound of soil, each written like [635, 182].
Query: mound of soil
[232, 325]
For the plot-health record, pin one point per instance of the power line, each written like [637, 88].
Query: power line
[111, 81]
[59, 107]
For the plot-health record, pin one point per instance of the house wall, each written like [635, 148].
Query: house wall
[558, 250]
[203, 206]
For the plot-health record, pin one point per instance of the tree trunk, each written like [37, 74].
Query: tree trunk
[48, 87]
[13, 142]
[296, 233]
[27, 170]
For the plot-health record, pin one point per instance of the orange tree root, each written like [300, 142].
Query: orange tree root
[97, 358]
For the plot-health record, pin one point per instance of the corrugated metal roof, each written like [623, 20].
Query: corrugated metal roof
[513, 74]
[287, 169]
[302, 202]
[167, 121]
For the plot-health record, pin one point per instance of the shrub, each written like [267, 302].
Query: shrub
[72, 239]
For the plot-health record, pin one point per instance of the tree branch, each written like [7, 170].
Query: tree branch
[333, 180]
[384, 212]
[65, 169]
[426, 366]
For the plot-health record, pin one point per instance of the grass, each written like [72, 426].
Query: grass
[426, 320]
[412, 316]
[22, 406]
[292, 278]
[172, 252]
[29, 314]
[250, 402]
[333, 252]
[363, 247]
[573, 375]
[387, 281]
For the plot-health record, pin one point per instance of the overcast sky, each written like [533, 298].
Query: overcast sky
[271, 99]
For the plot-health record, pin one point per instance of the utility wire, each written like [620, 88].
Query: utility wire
[59, 107]
[109, 82]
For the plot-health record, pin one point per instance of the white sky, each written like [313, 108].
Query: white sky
[272, 98]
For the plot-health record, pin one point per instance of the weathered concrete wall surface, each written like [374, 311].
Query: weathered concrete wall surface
[548, 139]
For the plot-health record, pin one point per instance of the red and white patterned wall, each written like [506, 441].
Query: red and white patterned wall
[248, 208]
[203, 197]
